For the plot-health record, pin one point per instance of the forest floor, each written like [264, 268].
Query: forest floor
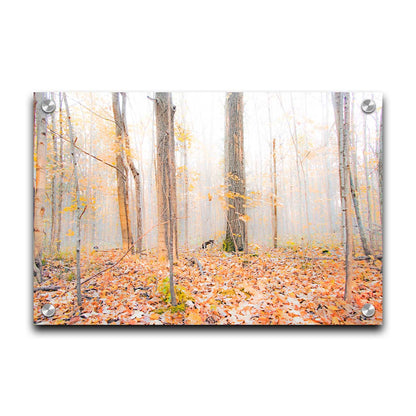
[278, 287]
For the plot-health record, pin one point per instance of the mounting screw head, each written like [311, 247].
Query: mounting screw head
[48, 310]
[368, 310]
[368, 106]
[48, 106]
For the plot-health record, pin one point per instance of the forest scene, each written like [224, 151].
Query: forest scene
[207, 208]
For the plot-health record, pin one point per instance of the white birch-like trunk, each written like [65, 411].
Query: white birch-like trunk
[40, 185]
[74, 157]
[60, 179]
[368, 185]
[53, 184]
[342, 118]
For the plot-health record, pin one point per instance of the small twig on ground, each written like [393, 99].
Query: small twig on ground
[193, 261]
[368, 258]
[314, 258]
[46, 288]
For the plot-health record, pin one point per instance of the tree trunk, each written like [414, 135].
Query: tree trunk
[61, 179]
[304, 166]
[235, 181]
[326, 165]
[274, 196]
[40, 185]
[122, 185]
[169, 227]
[186, 190]
[353, 176]
[274, 178]
[166, 184]
[354, 194]
[173, 219]
[74, 156]
[53, 184]
[342, 118]
[166, 172]
[136, 177]
[368, 186]
[381, 168]
[294, 138]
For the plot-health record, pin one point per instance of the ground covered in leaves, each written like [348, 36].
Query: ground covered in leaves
[278, 287]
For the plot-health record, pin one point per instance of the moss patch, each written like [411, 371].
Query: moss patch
[182, 295]
[228, 245]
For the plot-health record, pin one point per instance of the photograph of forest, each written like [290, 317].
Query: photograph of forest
[207, 208]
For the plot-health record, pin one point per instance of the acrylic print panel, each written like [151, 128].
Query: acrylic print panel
[208, 208]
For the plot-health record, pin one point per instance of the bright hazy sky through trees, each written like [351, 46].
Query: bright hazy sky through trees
[266, 116]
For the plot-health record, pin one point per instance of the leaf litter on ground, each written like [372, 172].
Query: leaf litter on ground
[275, 287]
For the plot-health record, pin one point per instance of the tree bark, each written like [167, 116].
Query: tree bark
[78, 213]
[61, 179]
[235, 180]
[186, 191]
[122, 185]
[136, 176]
[368, 186]
[274, 196]
[353, 177]
[40, 185]
[166, 173]
[342, 119]
[53, 184]
[169, 228]
[273, 162]
[381, 167]
[354, 194]
[326, 166]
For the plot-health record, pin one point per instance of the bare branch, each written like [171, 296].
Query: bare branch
[85, 152]
[82, 213]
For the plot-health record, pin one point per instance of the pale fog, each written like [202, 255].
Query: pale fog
[308, 193]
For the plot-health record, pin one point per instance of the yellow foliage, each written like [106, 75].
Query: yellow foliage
[244, 218]
[233, 177]
[183, 135]
[72, 207]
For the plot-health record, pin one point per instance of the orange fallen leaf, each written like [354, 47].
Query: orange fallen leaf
[194, 318]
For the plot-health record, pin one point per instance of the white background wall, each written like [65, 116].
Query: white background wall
[212, 45]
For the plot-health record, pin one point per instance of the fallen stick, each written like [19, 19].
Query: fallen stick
[313, 258]
[194, 260]
[368, 258]
[46, 288]
[320, 258]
